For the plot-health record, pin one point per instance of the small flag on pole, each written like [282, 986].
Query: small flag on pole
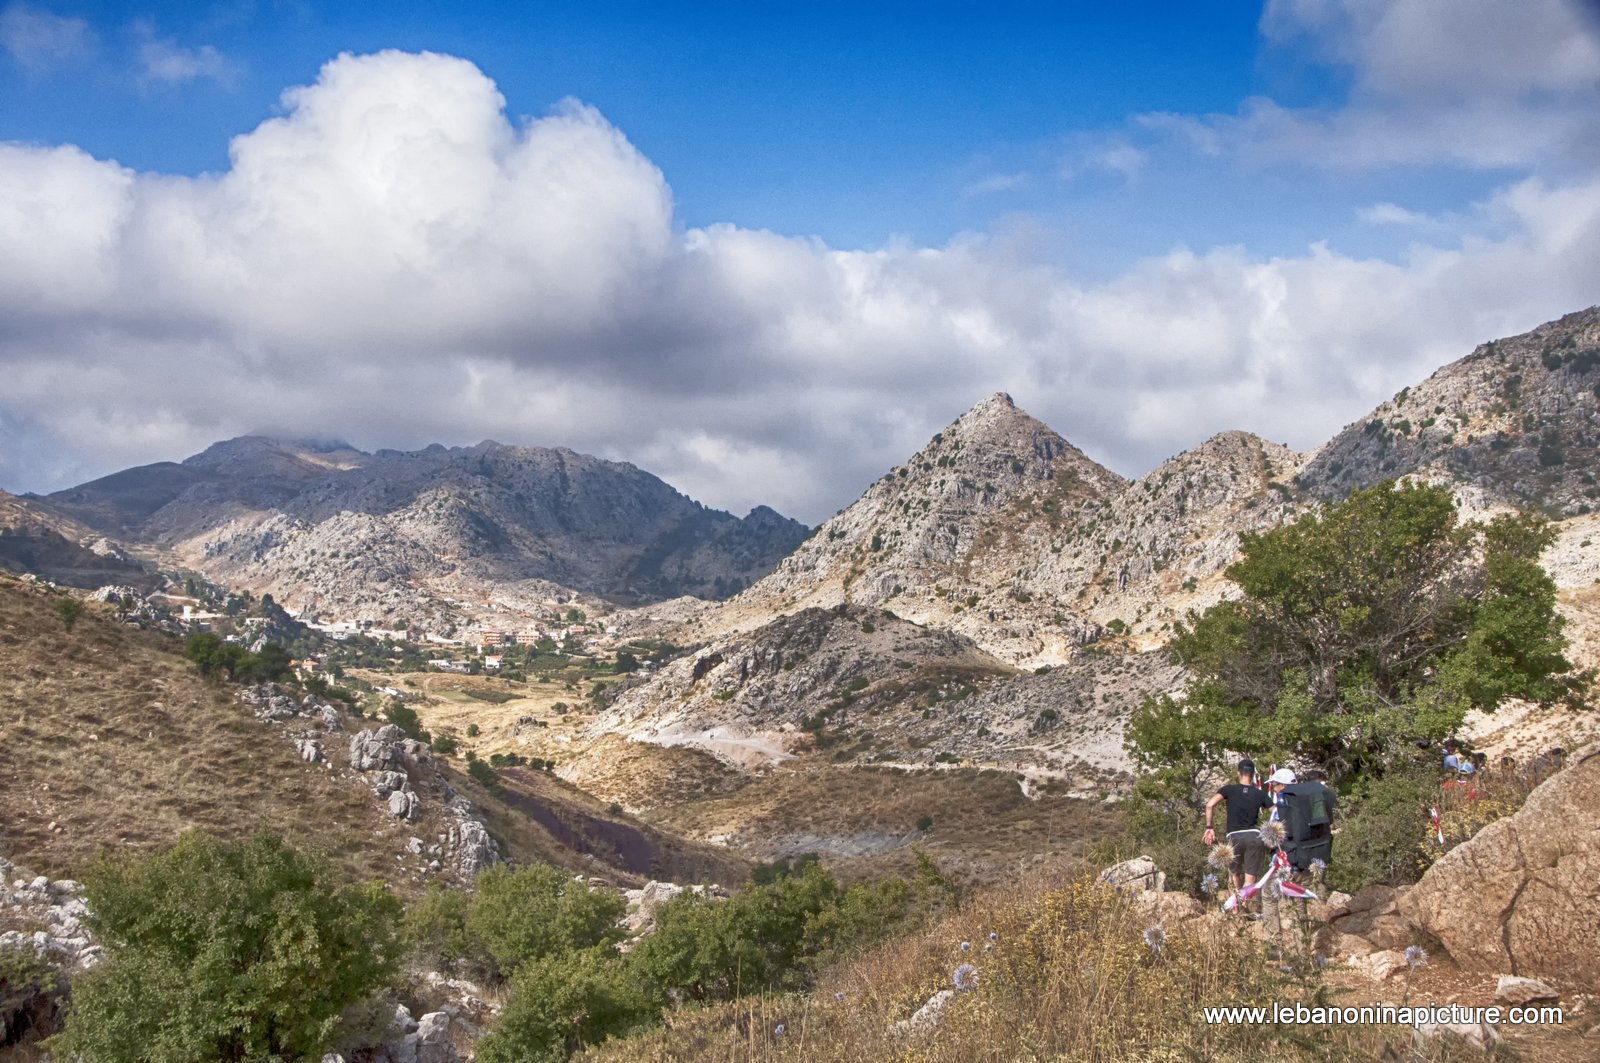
[1296, 892]
[1438, 827]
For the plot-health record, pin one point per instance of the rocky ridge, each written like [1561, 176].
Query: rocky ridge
[402, 773]
[1518, 420]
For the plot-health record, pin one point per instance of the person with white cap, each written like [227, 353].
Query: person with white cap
[1304, 811]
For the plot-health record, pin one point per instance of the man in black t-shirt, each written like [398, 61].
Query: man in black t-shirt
[1245, 802]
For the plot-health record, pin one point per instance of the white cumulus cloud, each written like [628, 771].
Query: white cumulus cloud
[396, 261]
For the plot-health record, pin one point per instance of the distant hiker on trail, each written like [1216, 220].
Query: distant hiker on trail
[1456, 761]
[1245, 801]
[1303, 813]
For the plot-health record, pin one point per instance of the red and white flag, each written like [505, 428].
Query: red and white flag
[1296, 892]
[1438, 827]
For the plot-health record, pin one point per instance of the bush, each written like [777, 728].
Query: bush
[486, 776]
[1382, 838]
[717, 950]
[227, 951]
[539, 911]
[405, 717]
[924, 823]
[436, 928]
[561, 1003]
[69, 610]
[446, 744]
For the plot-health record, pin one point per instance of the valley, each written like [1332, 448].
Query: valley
[429, 665]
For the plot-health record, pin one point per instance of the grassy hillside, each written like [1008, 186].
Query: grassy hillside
[109, 739]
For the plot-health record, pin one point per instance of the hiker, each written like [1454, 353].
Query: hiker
[1457, 762]
[1245, 801]
[1305, 810]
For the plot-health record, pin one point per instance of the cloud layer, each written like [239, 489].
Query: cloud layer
[395, 261]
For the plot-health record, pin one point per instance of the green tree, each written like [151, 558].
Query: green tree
[223, 951]
[539, 911]
[69, 610]
[202, 648]
[1361, 631]
[627, 662]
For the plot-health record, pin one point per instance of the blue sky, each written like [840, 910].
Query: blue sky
[854, 123]
[807, 235]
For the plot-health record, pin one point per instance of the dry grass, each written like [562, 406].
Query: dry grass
[109, 741]
[1068, 977]
[863, 819]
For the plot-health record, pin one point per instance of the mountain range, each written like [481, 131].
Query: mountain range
[402, 534]
[1003, 534]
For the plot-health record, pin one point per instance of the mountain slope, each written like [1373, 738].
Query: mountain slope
[940, 530]
[33, 539]
[1518, 420]
[110, 740]
[329, 528]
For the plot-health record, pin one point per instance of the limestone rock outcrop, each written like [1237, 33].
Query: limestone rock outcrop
[1521, 895]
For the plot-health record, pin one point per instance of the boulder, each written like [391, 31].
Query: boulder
[1514, 990]
[1167, 907]
[643, 903]
[376, 750]
[385, 783]
[1137, 874]
[1520, 896]
[928, 1016]
[404, 804]
[433, 1039]
[1350, 945]
[310, 749]
[1380, 966]
[1427, 1036]
[470, 847]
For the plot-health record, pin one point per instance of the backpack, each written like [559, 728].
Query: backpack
[1306, 810]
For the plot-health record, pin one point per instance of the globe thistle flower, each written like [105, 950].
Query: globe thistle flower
[777, 1031]
[1221, 855]
[966, 946]
[1273, 833]
[1319, 865]
[1416, 956]
[839, 997]
[994, 935]
[1208, 885]
[1155, 938]
[965, 977]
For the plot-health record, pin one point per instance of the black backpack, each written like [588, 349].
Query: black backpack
[1306, 810]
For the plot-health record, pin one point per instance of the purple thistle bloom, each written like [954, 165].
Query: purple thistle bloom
[965, 977]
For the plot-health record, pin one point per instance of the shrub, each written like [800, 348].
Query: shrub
[405, 717]
[1382, 838]
[561, 1003]
[486, 776]
[445, 744]
[32, 992]
[227, 951]
[69, 610]
[539, 911]
[924, 823]
[436, 927]
[472, 730]
[717, 950]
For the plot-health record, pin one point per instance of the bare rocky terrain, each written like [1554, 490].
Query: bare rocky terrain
[1518, 419]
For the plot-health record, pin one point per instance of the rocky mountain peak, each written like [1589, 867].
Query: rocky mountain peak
[1517, 421]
